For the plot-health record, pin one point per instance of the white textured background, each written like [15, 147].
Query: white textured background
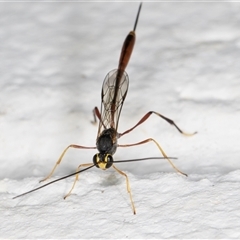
[185, 65]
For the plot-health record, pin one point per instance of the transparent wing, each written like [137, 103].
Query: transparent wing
[114, 91]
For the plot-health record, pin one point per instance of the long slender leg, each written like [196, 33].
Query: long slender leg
[146, 116]
[159, 147]
[76, 178]
[128, 187]
[61, 157]
[96, 114]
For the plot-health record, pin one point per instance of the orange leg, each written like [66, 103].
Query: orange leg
[76, 178]
[61, 157]
[159, 147]
[128, 187]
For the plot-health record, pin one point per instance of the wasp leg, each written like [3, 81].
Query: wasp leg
[96, 114]
[61, 157]
[128, 187]
[159, 147]
[76, 178]
[146, 116]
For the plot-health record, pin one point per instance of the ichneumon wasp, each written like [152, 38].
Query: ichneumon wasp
[114, 91]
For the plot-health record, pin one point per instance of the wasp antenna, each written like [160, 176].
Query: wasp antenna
[67, 176]
[141, 159]
[136, 21]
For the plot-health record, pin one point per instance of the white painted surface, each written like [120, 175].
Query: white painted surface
[185, 65]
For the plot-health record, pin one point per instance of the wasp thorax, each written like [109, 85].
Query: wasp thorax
[102, 160]
[107, 142]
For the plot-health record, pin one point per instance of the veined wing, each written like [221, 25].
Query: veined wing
[114, 91]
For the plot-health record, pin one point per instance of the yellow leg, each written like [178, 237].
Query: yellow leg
[76, 178]
[128, 187]
[61, 157]
[159, 147]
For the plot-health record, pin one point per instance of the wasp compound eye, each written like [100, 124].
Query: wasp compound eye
[109, 161]
[95, 160]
